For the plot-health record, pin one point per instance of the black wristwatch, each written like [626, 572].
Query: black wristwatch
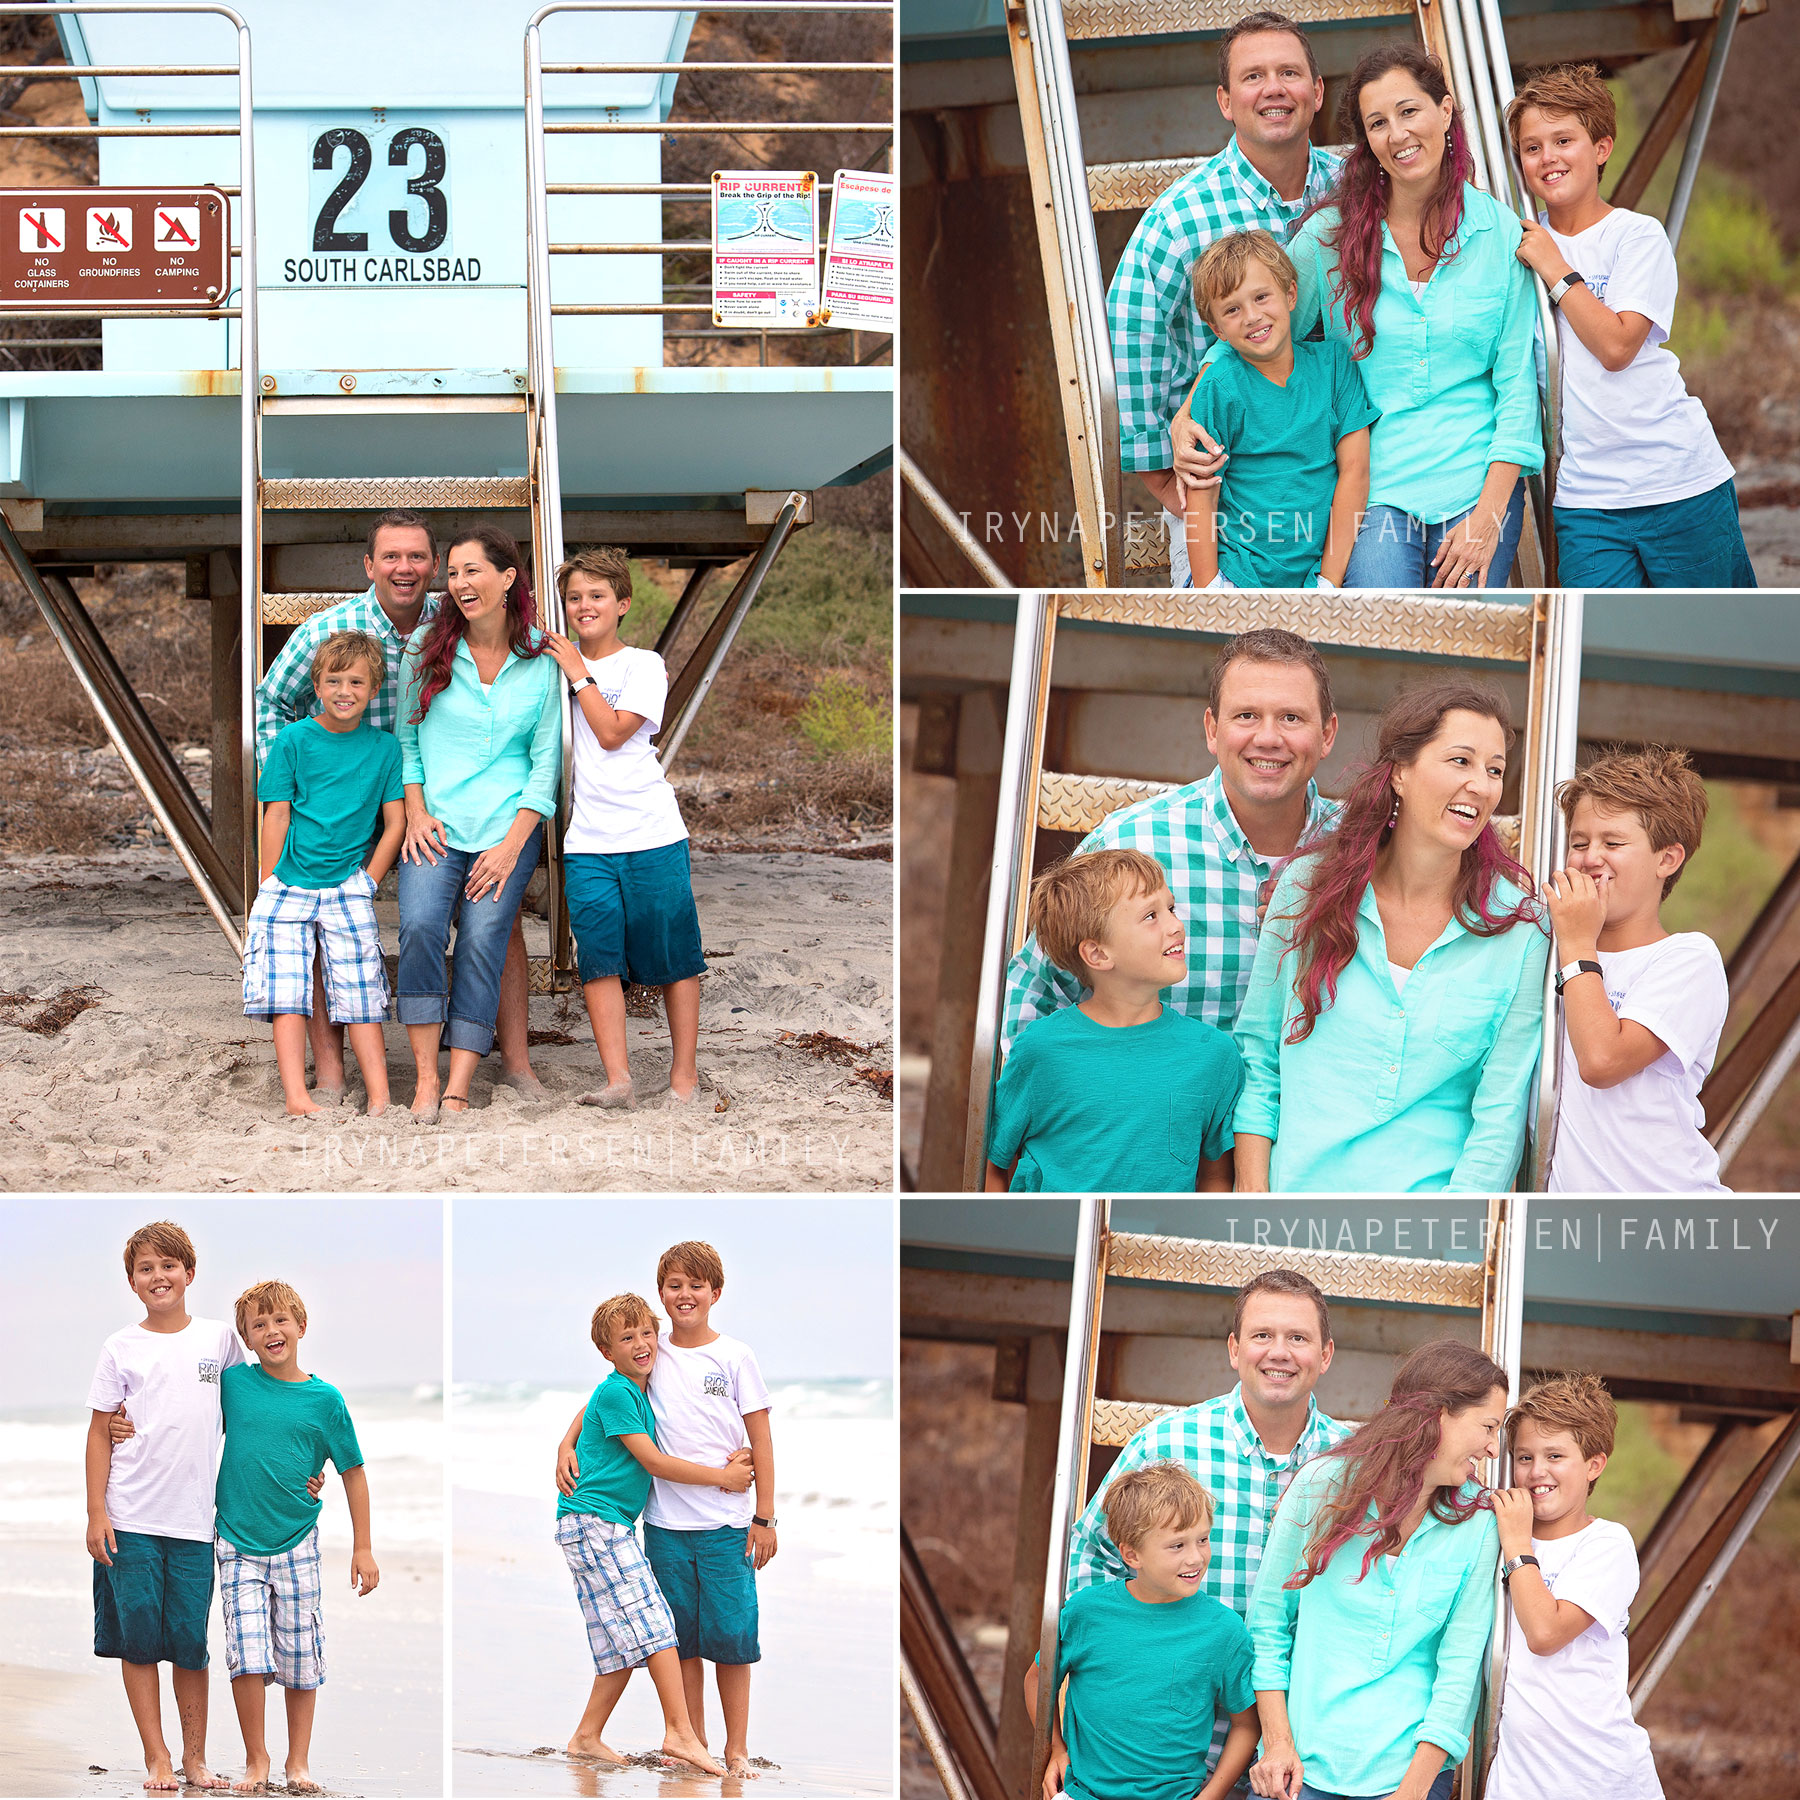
[1572, 279]
[1568, 972]
[1509, 1569]
[755, 1520]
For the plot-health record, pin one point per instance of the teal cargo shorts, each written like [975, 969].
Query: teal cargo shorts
[151, 1605]
[710, 1585]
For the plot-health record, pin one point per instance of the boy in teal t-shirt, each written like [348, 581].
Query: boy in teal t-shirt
[330, 789]
[1153, 1661]
[1121, 1093]
[1294, 421]
[603, 1485]
[280, 1426]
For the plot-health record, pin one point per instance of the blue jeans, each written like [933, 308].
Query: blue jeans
[431, 900]
[1440, 1790]
[1394, 550]
[1694, 543]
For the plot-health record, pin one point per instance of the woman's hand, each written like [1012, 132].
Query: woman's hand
[1279, 1775]
[568, 658]
[1538, 252]
[1512, 1513]
[1462, 558]
[491, 870]
[424, 835]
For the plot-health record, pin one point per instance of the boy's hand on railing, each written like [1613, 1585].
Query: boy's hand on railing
[364, 1576]
[100, 1538]
[1055, 1770]
[1538, 252]
[568, 658]
[568, 1470]
[119, 1427]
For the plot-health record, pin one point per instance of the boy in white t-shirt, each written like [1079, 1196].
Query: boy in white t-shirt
[1642, 1008]
[625, 853]
[1570, 1580]
[705, 1545]
[150, 1498]
[1644, 495]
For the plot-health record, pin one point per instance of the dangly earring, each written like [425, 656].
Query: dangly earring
[1394, 816]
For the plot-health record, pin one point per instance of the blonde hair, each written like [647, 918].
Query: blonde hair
[269, 1297]
[621, 1312]
[343, 648]
[1161, 1496]
[1656, 783]
[1577, 1404]
[1568, 90]
[1221, 269]
[165, 1238]
[693, 1258]
[603, 563]
[1070, 900]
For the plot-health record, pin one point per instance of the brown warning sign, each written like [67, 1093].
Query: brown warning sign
[96, 249]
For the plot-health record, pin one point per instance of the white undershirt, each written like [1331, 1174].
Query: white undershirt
[1399, 974]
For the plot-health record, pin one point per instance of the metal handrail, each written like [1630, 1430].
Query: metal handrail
[1729, 13]
[708, 128]
[736, 68]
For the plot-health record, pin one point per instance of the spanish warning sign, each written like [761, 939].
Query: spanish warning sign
[765, 247]
[106, 249]
[860, 270]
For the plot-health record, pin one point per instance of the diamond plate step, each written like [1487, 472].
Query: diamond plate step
[1118, 1421]
[1162, 18]
[1080, 802]
[294, 609]
[1131, 186]
[1340, 1275]
[424, 493]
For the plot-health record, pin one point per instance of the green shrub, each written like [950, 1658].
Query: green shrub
[1730, 245]
[840, 719]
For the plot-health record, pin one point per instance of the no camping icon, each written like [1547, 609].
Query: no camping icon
[176, 228]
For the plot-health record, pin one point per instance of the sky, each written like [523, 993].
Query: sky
[369, 1269]
[809, 1283]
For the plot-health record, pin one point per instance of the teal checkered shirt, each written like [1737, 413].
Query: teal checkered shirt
[1214, 877]
[1157, 337]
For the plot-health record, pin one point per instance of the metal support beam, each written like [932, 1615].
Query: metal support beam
[1671, 115]
[952, 523]
[1763, 1040]
[686, 697]
[930, 1732]
[1693, 1484]
[1762, 1092]
[943, 1674]
[1695, 147]
[1765, 928]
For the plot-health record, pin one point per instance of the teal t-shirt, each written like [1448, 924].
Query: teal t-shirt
[278, 1435]
[1123, 1109]
[1274, 506]
[1146, 1682]
[613, 1484]
[336, 782]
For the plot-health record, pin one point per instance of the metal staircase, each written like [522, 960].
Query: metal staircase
[1493, 1287]
[1544, 634]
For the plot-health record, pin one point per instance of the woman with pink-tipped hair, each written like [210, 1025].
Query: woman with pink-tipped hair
[1391, 1027]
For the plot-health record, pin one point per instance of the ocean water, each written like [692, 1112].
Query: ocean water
[836, 1462]
[401, 1431]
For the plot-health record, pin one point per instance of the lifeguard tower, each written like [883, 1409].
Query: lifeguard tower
[449, 237]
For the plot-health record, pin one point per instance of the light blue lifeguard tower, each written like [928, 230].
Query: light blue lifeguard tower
[403, 184]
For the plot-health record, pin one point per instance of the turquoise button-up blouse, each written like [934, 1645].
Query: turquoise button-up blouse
[1413, 1092]
[483, 754]
[1376, 1667]
[1453, 371]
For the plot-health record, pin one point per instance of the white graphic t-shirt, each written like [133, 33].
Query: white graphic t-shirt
[1645, 1135]
[168, 1382]
[622, 801]
[1569, 1712]
[700, 1397]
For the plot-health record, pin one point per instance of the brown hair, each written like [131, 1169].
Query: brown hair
[165, 1239]
[603, 562]
[1262, 21]
[693, 1258]
[1570, 90]
[1269, 645]
[1385, 1459]
[619, 1313]
[1577, 1404]
[268, 1296]
[1225, 262]
[1161, 1496]
[344, 648]
[1656, 783]
[1070, 900]
[1282, 1281]
[402, 518]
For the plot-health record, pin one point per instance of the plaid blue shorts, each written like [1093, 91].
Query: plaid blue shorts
[626, 1616]
[273, 1624]
[286, 922]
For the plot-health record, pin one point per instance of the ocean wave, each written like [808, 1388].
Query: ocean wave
[808, 1398]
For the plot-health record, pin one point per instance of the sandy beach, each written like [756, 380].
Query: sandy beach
[162, 1083]
[822, 1706]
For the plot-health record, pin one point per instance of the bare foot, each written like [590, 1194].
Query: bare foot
[683, 1746]
[615, 1093]
[329, 1093]
[525, 1084]
[425, 1103]
[582, 1744]
[299, 1109]
[196, 1774]
[680, 1096]
[299, 1779]
[459, 1101]
[738, 1764]
[256, 1776]
[161, 1778]
[375, 1109]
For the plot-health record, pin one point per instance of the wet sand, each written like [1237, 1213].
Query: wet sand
[68, 1732]
[164, 1083]
[821, 1699]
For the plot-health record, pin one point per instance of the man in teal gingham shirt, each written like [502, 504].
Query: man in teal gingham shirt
[1267, 176]
[1270, 725]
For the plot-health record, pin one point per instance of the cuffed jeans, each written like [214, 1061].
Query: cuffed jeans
[1440, 1790]
[1394, 550]
[431, 900]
